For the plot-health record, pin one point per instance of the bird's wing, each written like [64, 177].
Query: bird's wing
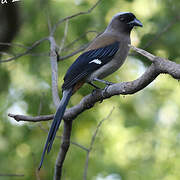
[88, 62]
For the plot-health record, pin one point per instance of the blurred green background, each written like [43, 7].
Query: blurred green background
[140, 140]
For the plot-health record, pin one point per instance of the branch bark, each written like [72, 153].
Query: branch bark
[54, 70]
[63, 150]
[159, 65]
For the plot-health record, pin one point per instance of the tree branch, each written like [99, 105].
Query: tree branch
[35, 44]
[92, 143]
[163, 30]
[159, 65]
[30, 118]
[73, 16]
[54, 70]
[63, 150]
[69, 46]
[64, 37]
[12, 175]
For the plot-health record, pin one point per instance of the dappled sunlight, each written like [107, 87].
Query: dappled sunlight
[147, 103]
[168, 114]
[29, 82]
[23, 150]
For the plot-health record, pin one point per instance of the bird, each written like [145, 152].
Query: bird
[102, 57]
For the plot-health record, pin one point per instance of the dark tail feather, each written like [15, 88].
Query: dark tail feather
[56, 122]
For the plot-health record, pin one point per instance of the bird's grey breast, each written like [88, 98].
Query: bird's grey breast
[114, 64]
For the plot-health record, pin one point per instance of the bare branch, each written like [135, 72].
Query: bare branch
[162, 65]
[63, 150]
[54, 70]
[73, 16]
[12, 175]
[79, 145]
[35, 44]
[92, 142]
[158, 66]
[60, 137]
[163, 30]
[150, 56]
[49, 22]
[30, 118]
[79, 38]
[5, 53]
[14, 44]
[64, 37]
[82, 48]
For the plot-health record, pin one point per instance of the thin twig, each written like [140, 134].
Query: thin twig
[19, 118]
[78, 39]
[5, 53]
[159, 34]
[49, 22]
[64, 37]
[26, 52]
[60, 137]
[12, 175]
[150, 56]
[92, 143]
[14, 44]
[79, 145]
[159, 65]
[39, 54]
[82, 48]
[73, 16]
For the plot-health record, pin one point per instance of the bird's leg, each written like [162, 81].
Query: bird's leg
[107, 83]
[96, 88]
[93, 85]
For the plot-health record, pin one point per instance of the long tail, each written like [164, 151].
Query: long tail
[56, 122]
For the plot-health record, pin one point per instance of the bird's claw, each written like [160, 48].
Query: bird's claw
[109, 83]
[95, 90]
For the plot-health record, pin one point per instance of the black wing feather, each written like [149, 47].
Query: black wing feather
[81, 68]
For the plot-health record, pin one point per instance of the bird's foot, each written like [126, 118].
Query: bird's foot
[94, 91]
[107, 83]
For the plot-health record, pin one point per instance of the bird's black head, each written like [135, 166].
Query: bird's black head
[124, 22]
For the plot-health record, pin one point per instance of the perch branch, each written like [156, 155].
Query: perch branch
[159, 65]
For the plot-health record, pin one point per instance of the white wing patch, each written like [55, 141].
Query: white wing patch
[96, 61]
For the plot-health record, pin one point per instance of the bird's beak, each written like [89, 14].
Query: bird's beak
[136, 22]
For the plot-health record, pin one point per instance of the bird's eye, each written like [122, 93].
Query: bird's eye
[121, 19]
